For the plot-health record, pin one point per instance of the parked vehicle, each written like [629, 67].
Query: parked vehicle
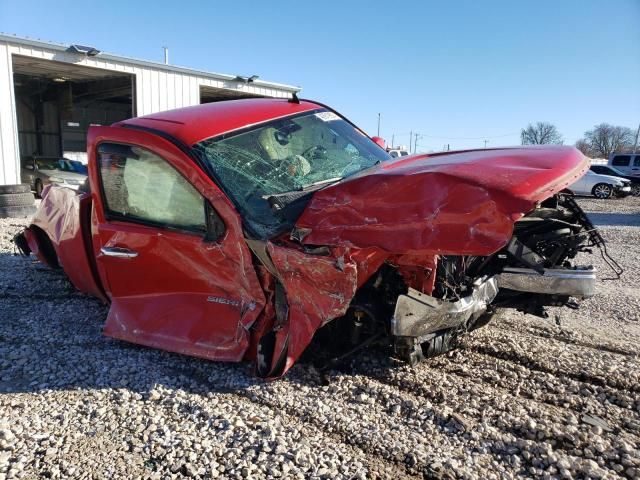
[79, 167]
[628, 163]
[397, 152]
[241, 229]
[601, 186]
[41, 171]
[614, 172]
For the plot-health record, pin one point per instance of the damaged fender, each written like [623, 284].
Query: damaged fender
[318, 289]
[60, 223]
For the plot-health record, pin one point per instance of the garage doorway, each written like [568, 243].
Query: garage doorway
[56, 102]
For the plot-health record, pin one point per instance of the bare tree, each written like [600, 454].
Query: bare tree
[585, 147]
[540, 133]
[606, 139]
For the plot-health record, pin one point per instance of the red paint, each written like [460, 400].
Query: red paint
[60, 217]
[418, 271]
[194, 124]
[215, 300]
[264, 322]
[319, 288]
[379, 141]
[459, 203]
[180, 293]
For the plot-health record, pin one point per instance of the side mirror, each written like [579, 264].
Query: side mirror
[379, 141]
[29, 167]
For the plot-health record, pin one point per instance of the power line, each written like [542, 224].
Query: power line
[461, 138]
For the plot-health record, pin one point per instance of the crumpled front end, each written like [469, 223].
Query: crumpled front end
[534, 270]
[453, 241]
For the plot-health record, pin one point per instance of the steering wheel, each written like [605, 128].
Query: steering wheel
[314, 151]
[297, 166]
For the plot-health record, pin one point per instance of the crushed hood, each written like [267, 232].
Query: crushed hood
[458, 203]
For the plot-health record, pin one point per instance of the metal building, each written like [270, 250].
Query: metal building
[51, 93]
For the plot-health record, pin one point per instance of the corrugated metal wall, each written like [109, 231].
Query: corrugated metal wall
[9, 161]
[49, 130]
[156, 89]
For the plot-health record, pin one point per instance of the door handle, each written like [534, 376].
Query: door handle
[118, 252]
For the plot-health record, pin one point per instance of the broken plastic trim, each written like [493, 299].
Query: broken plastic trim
[418, 314]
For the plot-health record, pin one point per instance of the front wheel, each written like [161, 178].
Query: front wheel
[602, 190]
[635, 189]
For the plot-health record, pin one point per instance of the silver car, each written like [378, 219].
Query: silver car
[601, 186]
[41, 171]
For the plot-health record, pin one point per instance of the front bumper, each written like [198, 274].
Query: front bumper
[418, 314]
[622, 191]
[579, 282]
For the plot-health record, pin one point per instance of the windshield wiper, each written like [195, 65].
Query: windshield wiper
[300, 191]
[320, 182]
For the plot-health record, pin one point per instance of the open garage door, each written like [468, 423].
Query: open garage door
[56, 102]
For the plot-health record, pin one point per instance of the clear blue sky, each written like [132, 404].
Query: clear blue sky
[444, 69]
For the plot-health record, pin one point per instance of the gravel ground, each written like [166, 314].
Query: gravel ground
[523, 397]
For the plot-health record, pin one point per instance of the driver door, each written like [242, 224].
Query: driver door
[169, 249]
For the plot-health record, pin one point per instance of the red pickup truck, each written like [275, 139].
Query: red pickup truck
[238, 230]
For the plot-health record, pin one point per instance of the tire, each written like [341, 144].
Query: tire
[635, 189]
[39, 188]
[20, 211]
[19, 188]
[16, 199]
[602, 190]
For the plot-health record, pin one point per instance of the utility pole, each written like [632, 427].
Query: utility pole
[378, 124]
[410, 139]
[415, 144]
[393, 136]
[166, 55]
[485, 143]
[635, 145]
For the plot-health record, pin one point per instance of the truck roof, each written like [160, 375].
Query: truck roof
[194, 124]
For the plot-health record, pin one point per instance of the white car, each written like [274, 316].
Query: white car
[397, 152]
[601, 186]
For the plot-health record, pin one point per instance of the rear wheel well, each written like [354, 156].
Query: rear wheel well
[45, 246]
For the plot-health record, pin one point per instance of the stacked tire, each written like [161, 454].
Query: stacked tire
[16, 201]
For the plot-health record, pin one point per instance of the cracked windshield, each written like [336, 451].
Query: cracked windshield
[288, 156]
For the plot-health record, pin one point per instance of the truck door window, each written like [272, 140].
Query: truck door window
[141, 187]
[636, 161]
